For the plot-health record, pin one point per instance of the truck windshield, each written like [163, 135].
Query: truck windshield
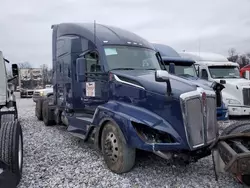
[183, 70]
[224, 71]
[127, 57]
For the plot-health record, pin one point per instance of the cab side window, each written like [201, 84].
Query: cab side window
[204, 74]
[92, 59]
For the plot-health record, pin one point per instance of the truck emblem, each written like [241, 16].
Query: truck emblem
[204, 102]
[110, 77]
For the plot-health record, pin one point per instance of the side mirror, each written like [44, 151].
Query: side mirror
[81, 67]
[223, 81]
[14, 70]
[218, 87]
[172, 68]
[161, 76]
[198, 71]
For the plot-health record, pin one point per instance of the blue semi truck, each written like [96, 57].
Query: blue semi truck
[185, 68]
[111, 87]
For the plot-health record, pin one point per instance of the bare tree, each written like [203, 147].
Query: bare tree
[24, 65]
[45, 74]
[232, 52]
[233, 56]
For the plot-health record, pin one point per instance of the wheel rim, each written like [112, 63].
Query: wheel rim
[20, 154]
[111, 147]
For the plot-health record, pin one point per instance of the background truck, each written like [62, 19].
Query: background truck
[185, 68]
[111, 88]
[215, 67]
[245, 72]
[11, 138]
[29, 80]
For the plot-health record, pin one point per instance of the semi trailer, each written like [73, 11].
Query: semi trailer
[111, 88]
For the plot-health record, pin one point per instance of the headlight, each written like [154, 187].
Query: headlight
[232, 101]
[41, 93]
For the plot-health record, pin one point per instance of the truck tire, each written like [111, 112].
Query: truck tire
[7, 117]
[39, 107]
[117, 155]
[239, 127]
[11, 147]
[45, 113]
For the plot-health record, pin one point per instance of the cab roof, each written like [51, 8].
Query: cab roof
[165, 50]
[208, 59]
[178, 60]
[101, 34]
[169, 54]
[204, 56]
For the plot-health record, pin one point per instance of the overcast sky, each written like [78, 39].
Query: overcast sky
[25, 33]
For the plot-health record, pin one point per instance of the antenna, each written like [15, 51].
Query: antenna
[199, 46]
[94, 32]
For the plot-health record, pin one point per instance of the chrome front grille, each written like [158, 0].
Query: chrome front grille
[246, 96]
[194, 118]
[200, 118]
[211, 119]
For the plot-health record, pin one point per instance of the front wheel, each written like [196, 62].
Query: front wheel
[11, 147]
[38, 109]
[45, 113]
[117, 155]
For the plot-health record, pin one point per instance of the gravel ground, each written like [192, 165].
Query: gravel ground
[54, 158]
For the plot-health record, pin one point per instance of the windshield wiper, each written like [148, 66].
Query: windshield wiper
[123, 69]
[219, 77]
[149, 69]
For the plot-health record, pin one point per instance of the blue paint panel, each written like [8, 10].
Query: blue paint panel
[123, 114]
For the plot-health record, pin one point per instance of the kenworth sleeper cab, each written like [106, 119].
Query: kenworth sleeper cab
[111, 87]
[215, 67]
[185, 68]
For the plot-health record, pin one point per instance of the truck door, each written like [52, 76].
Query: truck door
[95, 86]
[204, 74]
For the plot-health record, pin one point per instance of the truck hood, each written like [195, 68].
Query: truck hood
[199, 82]
[146, 79]
[235, 82]
[233, 89]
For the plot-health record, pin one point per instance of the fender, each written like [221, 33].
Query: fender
[123, 115]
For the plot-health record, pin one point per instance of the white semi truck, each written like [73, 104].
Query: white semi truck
[215, 67]
[11, 137]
